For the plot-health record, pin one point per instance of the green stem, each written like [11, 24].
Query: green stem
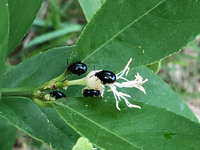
[41, 103]
[34, 92]
[60, 77]
[52, 82]
[17, 92]
[75, 82]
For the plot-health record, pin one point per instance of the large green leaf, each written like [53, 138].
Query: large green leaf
[4, 28]
[38, 69]
[43, 124]
[22, 15]
[147, 128]
[145, 31]
[8, 135]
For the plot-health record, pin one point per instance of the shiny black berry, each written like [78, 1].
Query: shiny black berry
[106, 77]
[77, 68]
[91, 93]
[57, 94]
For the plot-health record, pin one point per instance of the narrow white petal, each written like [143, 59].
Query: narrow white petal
[135, 106]
[127, 66]
[117, 105]
[126, 69]
[113, 88]
[129, 104]
[123, 78]
[124, 94]
[137, 83]
[119, 95]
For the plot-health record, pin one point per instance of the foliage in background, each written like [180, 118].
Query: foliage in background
[120, 29]
[181, 71]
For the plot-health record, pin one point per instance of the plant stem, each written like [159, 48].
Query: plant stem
[41, 103]
[18, 92]
[75, 82]
[52, 82]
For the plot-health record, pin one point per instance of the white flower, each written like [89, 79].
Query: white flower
[137, 83]
[92, 82]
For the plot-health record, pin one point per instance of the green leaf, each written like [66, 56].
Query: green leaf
[154, 67]
[54, 34]
[22, 15]
[8, 135]
[4, 28]
[44, 124]
[147, 128]
[38, 69]
[145, 31]
[83, 144]
[89, 7]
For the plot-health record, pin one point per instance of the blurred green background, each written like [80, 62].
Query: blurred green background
[60, 22]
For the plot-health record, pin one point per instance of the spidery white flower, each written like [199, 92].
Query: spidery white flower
[92, 82]
[137, 83]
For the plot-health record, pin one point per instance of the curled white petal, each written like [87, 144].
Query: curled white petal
[137, 83]
[119, 95]
[129, 104]
[126, 69]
